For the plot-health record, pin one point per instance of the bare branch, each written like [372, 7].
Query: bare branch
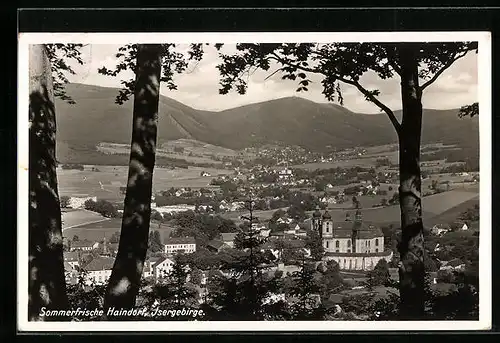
[440, 71]
[277, 70]
[376, 101]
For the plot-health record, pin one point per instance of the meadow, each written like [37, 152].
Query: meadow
[88, 182]
[260, 214]
[124, 149]
[96, 231]
[432, 206]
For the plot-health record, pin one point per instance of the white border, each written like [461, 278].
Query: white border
[484, 96]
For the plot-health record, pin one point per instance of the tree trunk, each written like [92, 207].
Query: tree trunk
[411, 248]
[127, 270]
[47, 285]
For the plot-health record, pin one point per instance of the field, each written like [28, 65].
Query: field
[366, 201]
[124, 149]
[87, 182]
[197, 148]
[73, 218]
[106, 227]
[261, 215]
[358, 162]
[433, 206]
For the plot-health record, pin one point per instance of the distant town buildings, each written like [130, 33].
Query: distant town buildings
[180, 245]
[98, 270]
[83, 245]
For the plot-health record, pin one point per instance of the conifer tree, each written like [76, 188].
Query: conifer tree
[242, 290]
[174, 291]
[305, 293]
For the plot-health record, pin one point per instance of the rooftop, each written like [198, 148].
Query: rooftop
[228, 236]
[216, 244]
[82, 243]
[100, 263]
[179, 240]
[70, 256]
[358, 254]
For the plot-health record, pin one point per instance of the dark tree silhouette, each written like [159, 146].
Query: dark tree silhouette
[47, 287]
[125, 278]
[345, 64]
[147, 62]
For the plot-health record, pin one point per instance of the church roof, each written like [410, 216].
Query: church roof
[364, 230]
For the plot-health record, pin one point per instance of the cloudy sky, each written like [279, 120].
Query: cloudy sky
[199, 86]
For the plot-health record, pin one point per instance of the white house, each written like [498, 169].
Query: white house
[71, 257]
[83, 245]
[162, 267]
[460, 226]
[99, 270]
[265, 232]
[185, 245]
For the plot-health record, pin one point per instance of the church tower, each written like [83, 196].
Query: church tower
[358, 218]
[327, 225]
[316, 221]
[105, 247]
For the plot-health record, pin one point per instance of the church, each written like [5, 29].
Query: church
[352, 243]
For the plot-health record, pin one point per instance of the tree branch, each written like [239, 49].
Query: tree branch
[371, 97]
[440, 71]
[376, 101]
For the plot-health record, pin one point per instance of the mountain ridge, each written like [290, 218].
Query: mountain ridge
[287, 121]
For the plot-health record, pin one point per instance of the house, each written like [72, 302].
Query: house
[459, 226]
[455, 264]
[284, 220]
[277, 234]
[72, 258]
[99, 270]
[83, 245]
[185, 245]
[292, 228]
[216, 245]
[162, 267]
[265, 232]
[228, 238]
[70, 274]
[147, 270]
[440, 229]
[301, 233]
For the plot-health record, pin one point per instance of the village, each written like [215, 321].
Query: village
[320, 215]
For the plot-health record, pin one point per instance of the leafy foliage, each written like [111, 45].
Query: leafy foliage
[104, 207]
[243, 290]
[155, 244]
[469, 110]
[337, 63]
[379, 276]
[305, 293]
[315, 244]
[59, 56]
[172, 61]
[64, 200]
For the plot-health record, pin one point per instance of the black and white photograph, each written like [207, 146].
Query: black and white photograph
[270, 181]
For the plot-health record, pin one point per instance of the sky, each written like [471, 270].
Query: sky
[199, 86]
